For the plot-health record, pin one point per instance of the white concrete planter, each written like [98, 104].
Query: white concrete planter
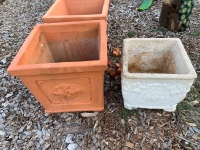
[156, 74]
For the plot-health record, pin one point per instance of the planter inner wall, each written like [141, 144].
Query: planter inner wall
[78, 7]
[63, 45]
[155, 59]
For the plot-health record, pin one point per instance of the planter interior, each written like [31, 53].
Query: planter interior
[154, 60]
[63, 65]
[79, 7]
[76, 10]
[65, 45]
[152, 69]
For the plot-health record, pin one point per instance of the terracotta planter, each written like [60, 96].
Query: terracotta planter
[63, 64]
[156, 74]
[76, 10]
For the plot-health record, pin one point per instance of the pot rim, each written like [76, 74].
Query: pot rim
[102, 15]
[61, 67]
[125, 73]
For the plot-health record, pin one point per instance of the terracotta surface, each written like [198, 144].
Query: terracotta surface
[63, 64]
[77, 10]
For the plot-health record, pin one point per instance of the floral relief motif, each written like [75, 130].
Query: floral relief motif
[67, 91]
[153, 94]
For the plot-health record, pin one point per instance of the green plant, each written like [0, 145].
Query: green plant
[187, 109]
[163, 30]
[125, 113]
[131, 34]
[196, 33]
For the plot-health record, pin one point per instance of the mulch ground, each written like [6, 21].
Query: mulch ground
[24, 125]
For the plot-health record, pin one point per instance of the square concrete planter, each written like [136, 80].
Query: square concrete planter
[156, 73]
[63, 64]
[77, 10]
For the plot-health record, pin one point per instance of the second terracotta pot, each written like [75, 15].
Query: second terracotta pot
[77, 10]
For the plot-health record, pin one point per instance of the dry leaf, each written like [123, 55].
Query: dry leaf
[116, 52]
[119, 70]
[110, 62]
[112, 72]
[129, 144]
[118, 65]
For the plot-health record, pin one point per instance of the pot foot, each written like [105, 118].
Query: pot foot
[130, 107]
[170, 109]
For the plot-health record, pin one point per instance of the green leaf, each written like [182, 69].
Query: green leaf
[146, 4]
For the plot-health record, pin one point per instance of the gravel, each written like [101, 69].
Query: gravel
[23, 122]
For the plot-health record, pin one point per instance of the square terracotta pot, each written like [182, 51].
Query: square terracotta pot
[77, 10]
[63, 64]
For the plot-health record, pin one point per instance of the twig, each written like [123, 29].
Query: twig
[9, 121]
[163, 125]
[188, 141]
[144, 138]
[113, 110]
[195, 53]
[62, 146]
[95, 125]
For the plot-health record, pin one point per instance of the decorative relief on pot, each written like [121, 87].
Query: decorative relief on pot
[67, 91]
[157, 94]
[154, 95]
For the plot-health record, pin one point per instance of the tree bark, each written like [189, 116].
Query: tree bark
[169, 17]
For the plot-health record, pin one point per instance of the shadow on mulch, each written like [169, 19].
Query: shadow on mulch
[1, 2]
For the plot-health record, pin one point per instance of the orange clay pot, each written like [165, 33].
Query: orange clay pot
[77, 10]
[63, 64]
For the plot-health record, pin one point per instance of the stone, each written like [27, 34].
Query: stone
[69, 138]
[72, 146]
[9, 95]
[84, 114]
[122, 121]
[156, 73]
[3, 115]
[2, 133]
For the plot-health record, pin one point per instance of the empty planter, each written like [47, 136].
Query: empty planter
[63, 64]
[156, 74]
[77, 10]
